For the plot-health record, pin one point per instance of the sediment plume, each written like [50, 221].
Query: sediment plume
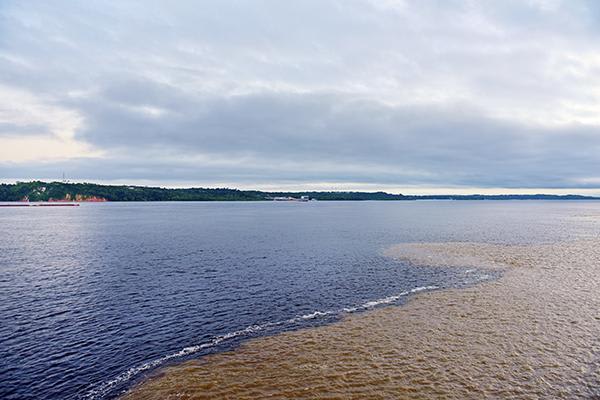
[532, 333]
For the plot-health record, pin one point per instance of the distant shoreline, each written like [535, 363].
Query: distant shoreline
[38, 191]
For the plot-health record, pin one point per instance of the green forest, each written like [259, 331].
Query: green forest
[48, 191]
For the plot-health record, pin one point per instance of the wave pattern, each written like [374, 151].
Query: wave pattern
[92, 298]
[106, 387]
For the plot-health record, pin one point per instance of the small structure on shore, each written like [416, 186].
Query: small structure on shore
[290, 198]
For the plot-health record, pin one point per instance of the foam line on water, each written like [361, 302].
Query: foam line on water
[104, 388]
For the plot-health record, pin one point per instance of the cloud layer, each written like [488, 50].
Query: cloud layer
[390, 93]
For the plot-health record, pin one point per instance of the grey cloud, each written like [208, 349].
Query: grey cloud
[407, 144]
[14, 130]
[430, 93]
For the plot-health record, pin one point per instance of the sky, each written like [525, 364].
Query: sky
[404, 96]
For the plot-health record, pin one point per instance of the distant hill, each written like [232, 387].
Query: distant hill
[59, 191]
[54, 191]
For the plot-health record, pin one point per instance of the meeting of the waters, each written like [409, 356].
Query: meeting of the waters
[96, 298]
[299, 200]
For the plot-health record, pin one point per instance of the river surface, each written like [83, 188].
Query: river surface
[94, 298]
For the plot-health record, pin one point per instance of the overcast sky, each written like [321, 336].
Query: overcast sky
[413, 96]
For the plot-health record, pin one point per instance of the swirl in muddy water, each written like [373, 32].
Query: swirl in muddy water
[533, 333]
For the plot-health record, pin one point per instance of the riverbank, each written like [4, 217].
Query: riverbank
[533, 333]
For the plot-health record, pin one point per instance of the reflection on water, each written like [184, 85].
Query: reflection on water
[531, 334]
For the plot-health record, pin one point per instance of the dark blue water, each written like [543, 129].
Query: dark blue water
[93, 298]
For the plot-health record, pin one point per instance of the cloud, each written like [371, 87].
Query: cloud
[13, 129]
[457, 93]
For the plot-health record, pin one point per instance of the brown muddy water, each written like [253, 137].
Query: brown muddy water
[533, 333]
